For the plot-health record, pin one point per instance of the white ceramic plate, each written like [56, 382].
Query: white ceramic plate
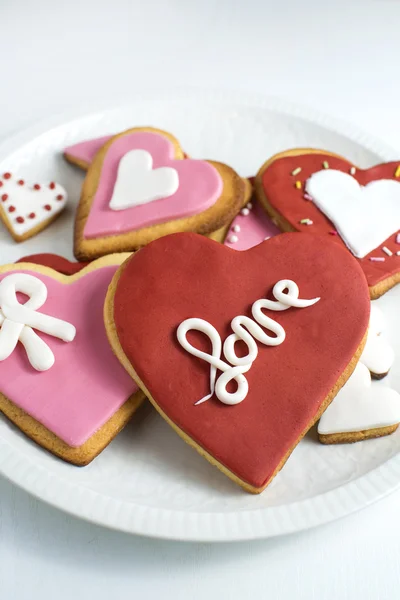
[148, 481]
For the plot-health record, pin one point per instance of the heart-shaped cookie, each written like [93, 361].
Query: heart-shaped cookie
[54, 261]
[302, 190]
[199, 196]
[360, 411]
[185, 276]
[75, 406]
[27, 209]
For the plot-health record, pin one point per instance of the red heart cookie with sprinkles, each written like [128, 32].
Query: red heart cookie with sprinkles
[140, 187]
[26, 209]
[323, 193]
[299, 308]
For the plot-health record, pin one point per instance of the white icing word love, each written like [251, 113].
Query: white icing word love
[137, 183]
[235, 366]
[364, 216]
[17, 321]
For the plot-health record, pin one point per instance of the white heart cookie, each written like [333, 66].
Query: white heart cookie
[360, 406]
[378, 354]
[25, 207]
[137, 183]
[364, 216]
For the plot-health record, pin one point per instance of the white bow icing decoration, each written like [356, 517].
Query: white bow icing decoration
[17, 321]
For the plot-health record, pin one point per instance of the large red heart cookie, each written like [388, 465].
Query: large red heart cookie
[140, 187]
[282, 185]
[185, 275]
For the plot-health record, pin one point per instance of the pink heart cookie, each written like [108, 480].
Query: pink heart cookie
[75, 407]
[139, 188]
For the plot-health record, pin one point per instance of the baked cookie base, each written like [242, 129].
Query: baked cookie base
[356, 436]
[375, 291]
[117, 348]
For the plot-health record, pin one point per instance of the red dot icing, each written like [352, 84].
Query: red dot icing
[32, 215]
[1, 184]
[4, 197]
[20, 219]
[52, 185]
[36, 186]
[59, 197]
[7, 175]
[47, 207]
[21, 182]
[11, 209]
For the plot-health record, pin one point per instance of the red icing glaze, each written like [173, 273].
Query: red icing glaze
[186, 275]
[278, 184]
[54, 261]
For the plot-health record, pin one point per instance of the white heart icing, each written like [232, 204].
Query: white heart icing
[378, 354]
[137, 183]
[360, 406]
[364, 216]
[21, 201]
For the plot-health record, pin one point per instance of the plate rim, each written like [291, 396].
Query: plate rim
[168, 524]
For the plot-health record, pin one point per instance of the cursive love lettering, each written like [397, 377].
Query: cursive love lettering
[247, 330]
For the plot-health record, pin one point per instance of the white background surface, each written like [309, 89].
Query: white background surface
[341, 59]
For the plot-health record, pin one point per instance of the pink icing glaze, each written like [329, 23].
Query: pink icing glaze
[200, 185]
[86, 151]
[254, 228]
[87, 384]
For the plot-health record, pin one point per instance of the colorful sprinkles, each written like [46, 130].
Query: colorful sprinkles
[245, 212]
[398, 253]
[377, 259]
[296, 171]
[236, 228]
[233, 239]
[398, 238]
[387, 251]
[307, 196]
[298, 185]
[352, 171]
[325, 164]
[397, 172]
[333, 232]
[306, 222]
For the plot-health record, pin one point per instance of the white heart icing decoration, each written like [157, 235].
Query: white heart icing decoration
[364, 216]
[138, 183]
[378, 354]
[361, 406]
[26, 206]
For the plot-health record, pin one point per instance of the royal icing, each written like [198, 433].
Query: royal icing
[182, 275]
[138, 183]
[292, 205]
[86, 384]
[378, 354]
[54, 261]
[85, 152]
[200, 185]
[248, 230]
[17, 321]
[360, 406]
[27, 206]
[365, 216]
[246, 330]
